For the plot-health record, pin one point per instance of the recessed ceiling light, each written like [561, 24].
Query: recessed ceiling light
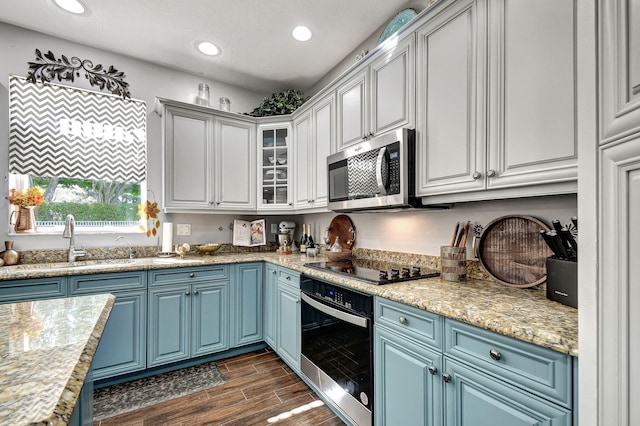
[208, 48]
[301, 33]
[71, 6]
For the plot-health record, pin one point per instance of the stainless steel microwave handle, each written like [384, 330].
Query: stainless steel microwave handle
[344, 316]
[382, 186]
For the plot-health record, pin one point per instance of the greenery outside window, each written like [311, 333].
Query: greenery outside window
[97, 205]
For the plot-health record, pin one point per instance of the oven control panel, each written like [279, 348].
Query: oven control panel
[346, 298]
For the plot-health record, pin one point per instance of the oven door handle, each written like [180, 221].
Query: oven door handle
[336, 313]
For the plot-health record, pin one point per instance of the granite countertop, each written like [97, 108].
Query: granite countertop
[525, 314]
[46, 348]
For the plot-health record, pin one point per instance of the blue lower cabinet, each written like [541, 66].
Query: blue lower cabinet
[32, 289]
[472, 398]
[123, 346]
[408, 388]
[210, 318]
[188, 314]
[288, 320]
[247, 306]
[270, 295]
[83, 411]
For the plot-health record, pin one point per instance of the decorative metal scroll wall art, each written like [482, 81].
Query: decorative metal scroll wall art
[46, 68]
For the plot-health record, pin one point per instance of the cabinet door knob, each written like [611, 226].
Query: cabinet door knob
[491, 173]
[288, 277]
[433, 370]
[477, 175]
[187, 292]
[297, 300]
[446, 377]
[274, 272]
[196, 292]
[402, 320]
[191, 275]
[495, 355]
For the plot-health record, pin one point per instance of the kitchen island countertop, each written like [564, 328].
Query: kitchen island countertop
[46, 349]
[525, 314]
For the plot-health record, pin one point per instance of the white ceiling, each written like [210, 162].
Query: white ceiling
[258, 51]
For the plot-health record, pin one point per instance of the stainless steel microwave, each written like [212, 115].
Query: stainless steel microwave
[376, 174]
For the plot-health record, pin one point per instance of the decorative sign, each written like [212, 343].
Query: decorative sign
[56, 130]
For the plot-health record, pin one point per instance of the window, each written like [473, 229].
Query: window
[85, 150]
[97, 205]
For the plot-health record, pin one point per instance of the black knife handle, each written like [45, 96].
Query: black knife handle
[566, 234]
[557, 241]
[547, 239]
[556, 225]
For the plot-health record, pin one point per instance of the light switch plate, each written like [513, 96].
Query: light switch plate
[183, 229]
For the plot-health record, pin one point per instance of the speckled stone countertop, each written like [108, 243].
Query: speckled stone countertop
[525, 314]
[46, 348]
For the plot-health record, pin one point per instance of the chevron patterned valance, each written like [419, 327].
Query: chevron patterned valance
[57, 130]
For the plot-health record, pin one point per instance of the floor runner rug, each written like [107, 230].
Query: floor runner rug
[125, 397]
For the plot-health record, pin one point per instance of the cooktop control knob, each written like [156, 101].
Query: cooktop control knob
[415, 271]
[383, 275]
[395, 273]
[406, 273]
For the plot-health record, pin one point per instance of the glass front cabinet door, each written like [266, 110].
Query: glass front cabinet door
[275, 171]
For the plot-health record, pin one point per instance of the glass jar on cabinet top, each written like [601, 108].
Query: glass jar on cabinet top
[275, 171]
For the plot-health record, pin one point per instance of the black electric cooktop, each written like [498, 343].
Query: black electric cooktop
[375, 271]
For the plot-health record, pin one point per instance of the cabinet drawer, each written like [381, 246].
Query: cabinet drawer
[288, 276]
[539, 370]
[38, 288]
[190, 275]
[423, 326]
[96, 283]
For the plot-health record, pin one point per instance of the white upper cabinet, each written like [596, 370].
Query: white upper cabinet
[314, 133]
[450, 142]
[379, 97]
[496, 100]
[209, 160]
[187, 149]
[235, 164]
[532, 99]
[619, 68]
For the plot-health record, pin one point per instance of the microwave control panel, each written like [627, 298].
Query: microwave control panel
[394, 168]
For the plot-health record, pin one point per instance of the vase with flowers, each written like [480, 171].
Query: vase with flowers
[24, 202]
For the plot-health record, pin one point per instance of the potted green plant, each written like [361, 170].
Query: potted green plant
[280, 103]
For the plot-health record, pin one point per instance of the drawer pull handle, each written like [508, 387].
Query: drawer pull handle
[433, 370]
[402, 320]
[495, 355]
[191, 275]
[446, 377]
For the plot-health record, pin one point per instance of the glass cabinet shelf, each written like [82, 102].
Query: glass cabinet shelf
[274, 174]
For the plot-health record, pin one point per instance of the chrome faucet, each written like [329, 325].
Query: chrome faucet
[131, 252]
[69, 232]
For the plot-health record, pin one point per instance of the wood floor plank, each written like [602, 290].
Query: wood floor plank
[266, 386]
[259, 386]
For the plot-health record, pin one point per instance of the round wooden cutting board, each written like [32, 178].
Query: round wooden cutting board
[512, 251]
[341, 226]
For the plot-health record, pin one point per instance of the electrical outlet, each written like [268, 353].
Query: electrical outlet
[183, 229]
[274, 228]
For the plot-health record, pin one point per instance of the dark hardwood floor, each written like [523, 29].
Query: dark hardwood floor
[260, 390]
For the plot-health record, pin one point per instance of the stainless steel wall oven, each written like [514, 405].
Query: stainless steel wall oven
[337, 346]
